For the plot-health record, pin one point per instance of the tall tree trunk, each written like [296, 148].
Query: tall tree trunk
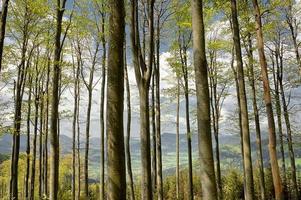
[46, 129]
[18, 97]
[89, 87]
[2, 28]
[178, 140]
[28, 140]
[128, 131]
[102, 101]
[256, 118]
[41, 101]
[76, 72]
[154, 143]
[215, 119]
[203, 103]
[249, 187]
[145, 143]
[268, 103]
[34, 142]
[115, 91]
[143, 74]
[78, 146]
[239, 113]
[296, 194]
[158, 117]
[86, 163]
[188, 132]
[279, 120]
[54, 133]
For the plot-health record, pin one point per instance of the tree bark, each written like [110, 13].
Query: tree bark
[34, 142]
[115, 91]
[154, 143]
[89, 87]
[128, 131]
[268, 103]
[247, 159]
[178, 140]
[214, 102]
[54, 134]
[143, 73]
[203, 103]
[102, 102]
[256, 118]
[279, 119]
[76, 72]
[3, 26]
[18, 97]
[158, 116]
[183, 55]
[296, 194]
[28, 140]
[41, 124]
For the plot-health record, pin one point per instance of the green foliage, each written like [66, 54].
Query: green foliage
[233, 185]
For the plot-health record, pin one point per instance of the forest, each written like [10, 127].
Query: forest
[150, 99]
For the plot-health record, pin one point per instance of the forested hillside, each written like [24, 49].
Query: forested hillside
[150, 99]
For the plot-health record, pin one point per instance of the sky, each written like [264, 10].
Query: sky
[168, 106]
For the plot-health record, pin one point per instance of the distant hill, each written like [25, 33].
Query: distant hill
[230, 152]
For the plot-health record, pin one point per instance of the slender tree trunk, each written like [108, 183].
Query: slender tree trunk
[34, 142]
[128, 131]
[158, 117]
[154, 143]
[76, 72]
[87, 144]
[143, 74]
[89, 87]
[41, 101]
[2, 28]
[145, 143]
[54, 132]
[256, 118]
[203, 103]
[28, 140]
[183, 55]
[18, 97]
[189, 134]
[115, 91]
[249, 193]
[268, 103]
[178, 140]
[296, 194]
[46, 130]
[279, 121]
[78, 146]
[102, 101]
[215, 119]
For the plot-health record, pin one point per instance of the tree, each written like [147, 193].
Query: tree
[25, 21]
[128, 129]
[143, 73]
[116, 154]
[76, 73]
[28, 137]
[3, 27]
[251, 76]
[218, 82]
[248, 170]
[203, 102]
[268, 104]
[54, 139]
[102, 104]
